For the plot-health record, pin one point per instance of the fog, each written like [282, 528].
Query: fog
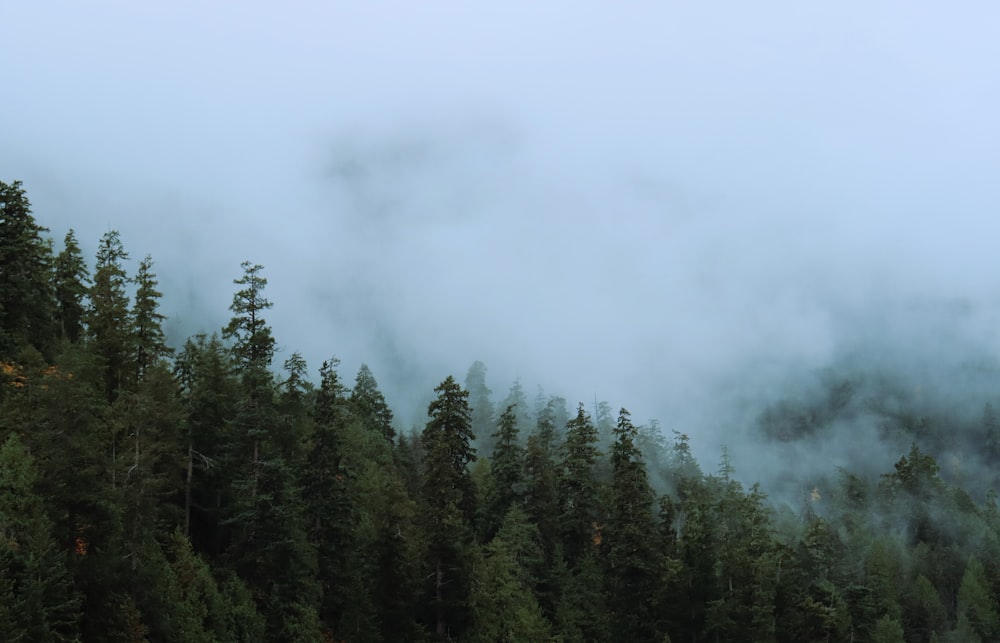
[690, 212]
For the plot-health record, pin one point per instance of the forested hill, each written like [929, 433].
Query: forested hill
[203, 492]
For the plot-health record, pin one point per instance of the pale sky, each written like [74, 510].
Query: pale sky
[638, 201]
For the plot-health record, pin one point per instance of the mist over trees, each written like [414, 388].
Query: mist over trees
[211, 491]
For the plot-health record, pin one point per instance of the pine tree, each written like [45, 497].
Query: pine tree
[70, 281]
[449, 506]
[481, 405]
[108, 327]
[541, 503]
[27, 305]
[41, 605]
[977, 611]
[503, 605]
[269, 548]
[152, 471]
[507, 466]
[579, 511]
[208, 393]
[924, 614]
[333, 511]
[147, 321]
[370, 406]
[294, 394]
[522, 411]
[634, 568]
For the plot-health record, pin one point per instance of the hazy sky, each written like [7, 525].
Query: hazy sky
[635, 200]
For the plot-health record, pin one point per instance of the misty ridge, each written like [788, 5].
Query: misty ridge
[499, 322]
[841, 485]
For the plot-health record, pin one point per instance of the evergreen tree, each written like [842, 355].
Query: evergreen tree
[522, 411]
[503, 605]
[507, 467]
[604, 422]
[40, 604]
[480, 404]
[579, 511]
[449, 506]
[269, 548]
[370, 406]
[581, 613]
[59, 413]
[924, 614]
[70, 280]
[541, 503]
[294, 397]
[332, 505]
[197, 609]
[152, 470]
[208, 393]
[147, 321]
[978, 617]
[108, 327]
[634, 568]
[27, 305]
[888, 630]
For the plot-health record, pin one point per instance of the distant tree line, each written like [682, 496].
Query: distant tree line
[201, 493]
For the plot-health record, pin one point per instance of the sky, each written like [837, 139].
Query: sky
[658, 204]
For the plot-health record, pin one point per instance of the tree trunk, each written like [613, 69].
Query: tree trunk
[439, 607]
[256, 468]
[187, 490]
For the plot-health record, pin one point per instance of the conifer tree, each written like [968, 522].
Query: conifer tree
[41, 604]
[502, 600]
[978, 617]
[70, 280]
[208, 393]
[27, 305]
[269, 548]
[370, 406]
[330, 492]
[634, 568]
[481, 405]
[147, 321]
[541, 503]
[152, 457]
[579, 511]
[294, 394]
[522, 410]
[507, 467]
[108, 327]
[449, 506]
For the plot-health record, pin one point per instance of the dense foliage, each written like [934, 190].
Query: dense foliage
[202, 494]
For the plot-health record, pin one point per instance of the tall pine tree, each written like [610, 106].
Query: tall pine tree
[449, 505]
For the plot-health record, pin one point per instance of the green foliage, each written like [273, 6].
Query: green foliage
[40, 604]
[505, 485]
[208, 395]
[70, 282]
[253, 344]
[579, 510]
[634, 565]
[448, 507]
[369, 404]
[207, 498]
[503, 604]
[888, 630]
[977, 610]
[482, 416]
[108, 318]
[27, 304]
[332, 496]
[147, 321]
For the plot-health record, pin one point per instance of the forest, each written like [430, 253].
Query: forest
[206, 492]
